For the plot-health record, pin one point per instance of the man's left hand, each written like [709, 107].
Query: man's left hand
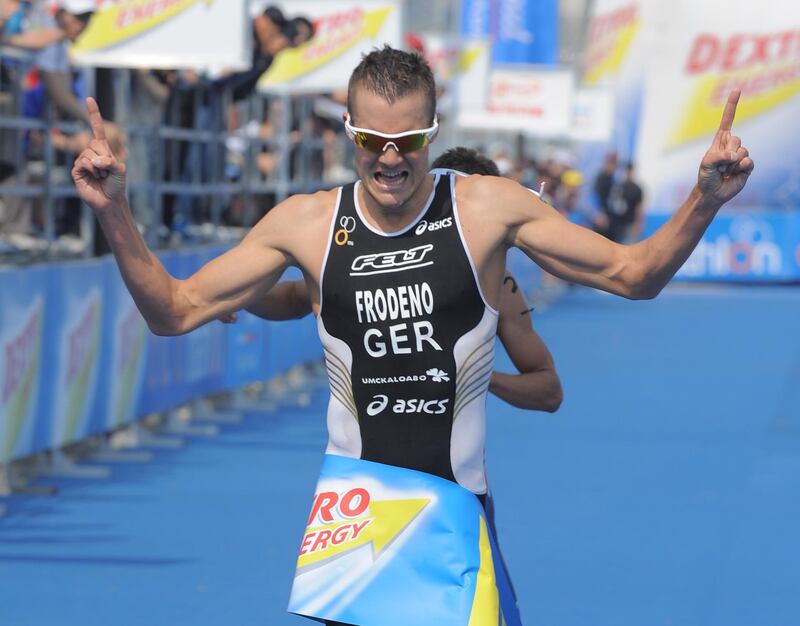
[727, 164]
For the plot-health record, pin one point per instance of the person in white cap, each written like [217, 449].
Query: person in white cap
[61, 26]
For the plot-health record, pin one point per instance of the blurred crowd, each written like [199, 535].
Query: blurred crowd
[610, 201]
[260, 136]
[39, 83]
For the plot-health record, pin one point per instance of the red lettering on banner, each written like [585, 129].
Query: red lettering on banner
[605, 25]
[317, 540]
[128, 16]
[761, 82]
[19, 355]
[741, 51]
[335, 21]
[351, 504]
[358, 527]
[321, 541]
[361, 498]
[323, 503]
[704, 51]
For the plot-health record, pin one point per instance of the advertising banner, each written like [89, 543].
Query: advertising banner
[594, 115]
[461, 67]
[753, 247]
[379, 536]
[343, 31]
[203, 349]
[247, 345]
[125, 340]
[22, 311]
[614, 66]
[192, 34]
[535, 101]
[523, 31]
[73, 350]
[700, 52]
[161, 389]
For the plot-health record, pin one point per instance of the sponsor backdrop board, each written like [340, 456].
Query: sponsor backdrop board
[699, 52]
[72, 351]
[343, 31]
[192, 34]
[22, 310]
[536, 101]
[616, 49]
[752, 247]
[461, 68]
[76, 357]
[523, 31]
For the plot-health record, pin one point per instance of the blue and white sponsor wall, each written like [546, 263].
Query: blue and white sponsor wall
[76, 357]
[670, 67]
[521, 31]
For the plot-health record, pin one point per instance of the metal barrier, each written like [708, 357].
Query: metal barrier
[180, 174]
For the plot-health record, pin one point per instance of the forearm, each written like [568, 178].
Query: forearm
[539, 390]
[152, 287]
[35, 40]
[661, 255]
[287, 300]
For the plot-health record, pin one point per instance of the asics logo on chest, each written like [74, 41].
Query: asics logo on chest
[423, 226]
[403, 405]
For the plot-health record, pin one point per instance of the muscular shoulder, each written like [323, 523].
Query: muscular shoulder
[497, 200]
[297, 222]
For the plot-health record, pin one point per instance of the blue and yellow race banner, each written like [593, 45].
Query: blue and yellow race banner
[343, 31]
[183, 34]
[699, 53]
[390, 546]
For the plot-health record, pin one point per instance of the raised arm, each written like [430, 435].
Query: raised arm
[171, 306]
[643, 269]
[35, 39]
[537, 385]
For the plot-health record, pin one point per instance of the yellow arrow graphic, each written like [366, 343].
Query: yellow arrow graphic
[292, 63]
[383, 522]
[114, 24]
[469, 56]
[609, 64]
[486, 603]
[702, 112]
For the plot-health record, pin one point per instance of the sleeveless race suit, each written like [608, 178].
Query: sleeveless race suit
[409, 341]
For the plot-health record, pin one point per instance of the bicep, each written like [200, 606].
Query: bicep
[573, 252]
[231, 281]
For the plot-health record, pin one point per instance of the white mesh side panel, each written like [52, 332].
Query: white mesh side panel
[344, 433]
[474, 356]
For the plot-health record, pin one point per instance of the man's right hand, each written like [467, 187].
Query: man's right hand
[99, 177]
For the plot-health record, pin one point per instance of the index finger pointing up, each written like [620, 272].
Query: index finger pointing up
[730, 109]
[96, 120]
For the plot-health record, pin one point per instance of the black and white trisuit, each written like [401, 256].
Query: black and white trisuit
[409, 340]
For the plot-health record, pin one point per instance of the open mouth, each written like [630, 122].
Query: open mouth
[391, 179]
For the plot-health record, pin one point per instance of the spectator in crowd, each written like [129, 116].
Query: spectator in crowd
[70, 19]
[300, 30]
[603, 182]
[272, 33]
[625, 222]
[567, 200]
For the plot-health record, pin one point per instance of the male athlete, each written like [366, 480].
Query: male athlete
[404, 269]
[536, 386]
